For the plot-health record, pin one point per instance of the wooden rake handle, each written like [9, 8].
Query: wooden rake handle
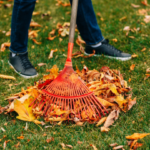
[72, 31]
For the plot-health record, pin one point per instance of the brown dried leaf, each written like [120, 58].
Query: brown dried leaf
[135, 6]
[63, 145]
[144, 49]
[51, 53]
[113, 144]
[118, 147]
[147, 19]
[41, 64]
[114, 40]
[7, 5]
[131, 103]
[126, 28]
[111, 118]
[148, 70]
[144, 2]
[79, 142]
[70, 146]
[50, 140]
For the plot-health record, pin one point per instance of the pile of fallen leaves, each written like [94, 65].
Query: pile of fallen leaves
[108, 86]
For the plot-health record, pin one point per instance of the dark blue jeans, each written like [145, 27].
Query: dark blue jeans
[22, 14]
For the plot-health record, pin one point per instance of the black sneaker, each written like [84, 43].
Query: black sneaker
[22, 65]
[107, 50]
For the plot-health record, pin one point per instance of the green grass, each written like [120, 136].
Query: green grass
[136, 120]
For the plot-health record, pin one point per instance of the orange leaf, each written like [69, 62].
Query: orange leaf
[38, 43]
[20, 137]
[52, 32]
[51, 38]
[4, 45]
[34, 24]
[51, 53]
[137, 136]
[132, 67]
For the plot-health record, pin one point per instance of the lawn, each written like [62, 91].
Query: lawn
[115, 15]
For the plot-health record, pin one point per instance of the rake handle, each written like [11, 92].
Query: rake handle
[72, 32]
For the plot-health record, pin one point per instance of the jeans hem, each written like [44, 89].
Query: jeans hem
[17, 52]
[89, 43]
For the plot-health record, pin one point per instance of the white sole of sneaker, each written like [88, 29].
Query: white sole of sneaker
[24, 76]
[118, 58]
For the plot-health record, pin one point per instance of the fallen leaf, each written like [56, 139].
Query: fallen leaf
[114, 40]
[50, 140]
[101, 121]
[137, 136]
[17, 145]
[104, 129]
[63, 145]
[26, 127]
[131, 37]
[20, 137]
[135, 6]
[129, 80]
[7, 77]
[118, 147]
[70, 146]
[3, 129]
[36, 13]
[111, 118]
[4, 46]
[147, 19]
[79, 123]
[123, 18]
[44, 134]
[113, 144]
[79, 142]
[126, 28]
[144, 49]
[7, 5]
[41, 64]
[145, 3]
[132, 67]
[94, 147]
[134, 56]
[51, 38]
[148, 70]
[131, 103]
[34, 24]
[52, 32]
[35, 41]
[51, 53]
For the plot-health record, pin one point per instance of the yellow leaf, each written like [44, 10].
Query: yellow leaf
[24, 111]
[105, 103]
[7, 77]
[137, 136]
[101, 121]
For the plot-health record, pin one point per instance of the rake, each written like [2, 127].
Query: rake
[68, 92]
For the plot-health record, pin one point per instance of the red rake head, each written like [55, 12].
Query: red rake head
[68, 94]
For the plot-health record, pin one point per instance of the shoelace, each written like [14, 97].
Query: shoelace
[25, 61]
[106, 42]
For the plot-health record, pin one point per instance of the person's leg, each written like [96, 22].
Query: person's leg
[91, 33]
[87, 23]
[21, 17]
